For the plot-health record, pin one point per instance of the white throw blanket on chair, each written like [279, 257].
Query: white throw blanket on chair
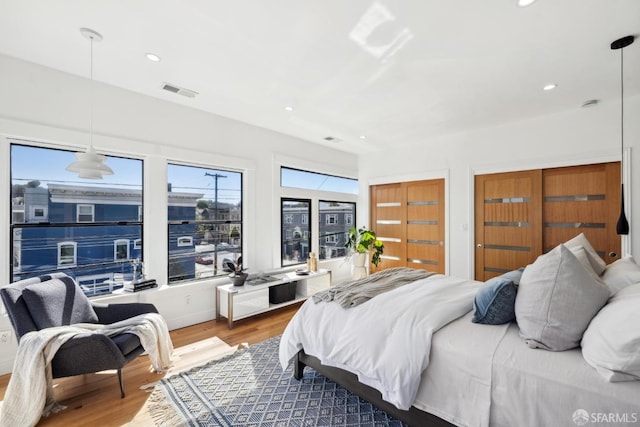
[29, 394]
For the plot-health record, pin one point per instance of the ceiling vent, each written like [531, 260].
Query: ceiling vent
[179, 90]
[332, 139]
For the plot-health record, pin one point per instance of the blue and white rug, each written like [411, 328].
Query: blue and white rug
[249, 388]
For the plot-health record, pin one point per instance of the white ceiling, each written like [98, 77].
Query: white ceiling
[398, 72]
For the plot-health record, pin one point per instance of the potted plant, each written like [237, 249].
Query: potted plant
[362, 241]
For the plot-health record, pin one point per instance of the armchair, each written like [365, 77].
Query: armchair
[56, 300]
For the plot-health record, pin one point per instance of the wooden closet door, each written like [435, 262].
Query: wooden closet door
[388, 220]
[583, 199]
[409, 218]
[425, 225]
[508, 223]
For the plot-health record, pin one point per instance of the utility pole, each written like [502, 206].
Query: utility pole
[215, 176]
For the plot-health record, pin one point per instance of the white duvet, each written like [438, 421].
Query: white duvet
[390, 362]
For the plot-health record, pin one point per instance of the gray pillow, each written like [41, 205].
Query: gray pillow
[556, 300]
[58, 302]
[597, 263]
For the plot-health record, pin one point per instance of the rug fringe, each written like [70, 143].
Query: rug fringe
[162, 412]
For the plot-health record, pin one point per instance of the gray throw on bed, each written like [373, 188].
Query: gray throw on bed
[355, 292]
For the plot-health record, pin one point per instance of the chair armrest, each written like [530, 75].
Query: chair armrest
[111, 313]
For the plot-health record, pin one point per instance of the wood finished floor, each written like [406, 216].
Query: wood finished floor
[95, 399]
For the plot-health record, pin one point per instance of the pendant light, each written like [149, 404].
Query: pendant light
[622, 227]
[90, 165]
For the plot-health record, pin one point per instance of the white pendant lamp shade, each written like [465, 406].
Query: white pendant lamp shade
[90, 165]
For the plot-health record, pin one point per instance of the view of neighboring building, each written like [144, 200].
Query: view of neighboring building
[334, 220]
[91, 233]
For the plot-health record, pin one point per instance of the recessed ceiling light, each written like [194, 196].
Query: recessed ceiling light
[550, 86]
[288, 108]
[363, 136]
[525, 3]
[152, 57]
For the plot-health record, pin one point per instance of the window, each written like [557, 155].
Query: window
[295, 235]
[288, 219]
[296, 178]
[69, 222]
[86, 213]
[185, 241]
[39, 213]
[67, 254]
[338, 218]
[331, 219]
[137, 244]
[305, 219]
[121, 250]
[205, 221]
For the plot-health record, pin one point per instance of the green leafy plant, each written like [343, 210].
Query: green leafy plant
[363, 240]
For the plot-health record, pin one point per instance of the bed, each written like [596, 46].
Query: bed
[451, 371]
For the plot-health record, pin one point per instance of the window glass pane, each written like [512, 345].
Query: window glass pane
[39, 178]
[296, 178]
[63, 222]
[335, 220]
[79, 251]
[295, 231]
[205, 221]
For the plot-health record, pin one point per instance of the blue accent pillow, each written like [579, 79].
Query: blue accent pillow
[514, 276]
[495, 301]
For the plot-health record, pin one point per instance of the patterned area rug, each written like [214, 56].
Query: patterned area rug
[249, 388]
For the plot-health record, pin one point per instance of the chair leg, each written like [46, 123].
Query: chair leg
[121, 383]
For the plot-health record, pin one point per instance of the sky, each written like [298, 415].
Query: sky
[48, 166]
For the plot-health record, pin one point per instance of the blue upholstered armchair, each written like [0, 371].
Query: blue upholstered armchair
[56, 300]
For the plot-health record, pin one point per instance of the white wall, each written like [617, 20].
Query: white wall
[37, 103]
[579, 136]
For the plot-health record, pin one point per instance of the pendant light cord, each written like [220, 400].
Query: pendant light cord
[91, 98]
[621, 113]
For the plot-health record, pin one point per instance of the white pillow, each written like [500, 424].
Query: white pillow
[611, 343]
[597, 263]
[622, 273]
[583, 257]
[557, 298]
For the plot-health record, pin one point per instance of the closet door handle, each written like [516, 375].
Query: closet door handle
[479, 245]
[613, 254]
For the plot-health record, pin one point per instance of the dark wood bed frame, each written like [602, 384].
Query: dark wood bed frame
[413, 417]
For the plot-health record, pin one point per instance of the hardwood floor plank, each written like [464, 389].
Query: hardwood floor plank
[94, 399]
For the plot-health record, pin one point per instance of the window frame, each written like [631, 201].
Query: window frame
[79, 266]
[120, 242]
[74, 262]
[79, 206]
[284, 232]
[184, 241]
[332, 240]
[216, 225]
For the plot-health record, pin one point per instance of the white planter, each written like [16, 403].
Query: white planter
[359, 265]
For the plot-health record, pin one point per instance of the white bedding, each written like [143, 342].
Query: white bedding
[398, 335]
[457, 385]
[477, 375]
[535, 387]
